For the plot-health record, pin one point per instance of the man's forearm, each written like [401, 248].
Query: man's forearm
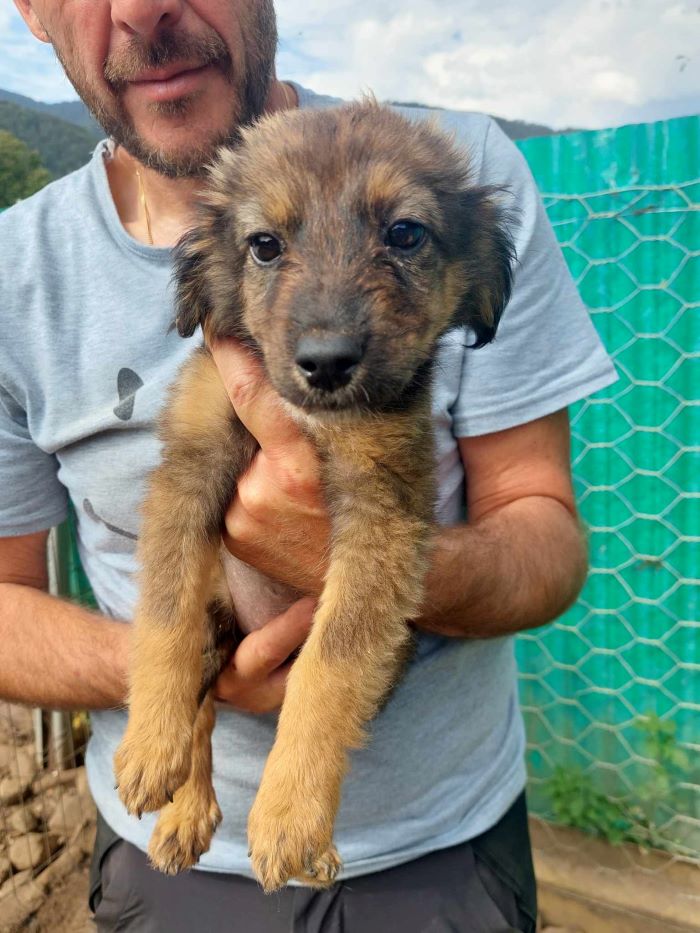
[516, 568]
[58, 655]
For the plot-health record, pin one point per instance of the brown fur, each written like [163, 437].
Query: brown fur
[328, 185]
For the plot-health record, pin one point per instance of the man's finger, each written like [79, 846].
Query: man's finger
[255, 401]
[263, 697]
[265, 649]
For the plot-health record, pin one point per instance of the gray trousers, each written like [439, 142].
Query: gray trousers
[483, 886]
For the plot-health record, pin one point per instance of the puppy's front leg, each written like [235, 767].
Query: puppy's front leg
[155, 755]
[185, 826]
[205, 450]
[350, 661]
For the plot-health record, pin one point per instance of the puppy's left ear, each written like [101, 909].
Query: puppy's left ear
[488, 257]
[192, 300]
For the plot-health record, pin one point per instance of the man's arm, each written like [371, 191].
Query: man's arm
[60, 656]
[54, 654]
[518, 562]
[521, 559]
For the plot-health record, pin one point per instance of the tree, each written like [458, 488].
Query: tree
[21, 171]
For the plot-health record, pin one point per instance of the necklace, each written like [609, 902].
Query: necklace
[144, 205]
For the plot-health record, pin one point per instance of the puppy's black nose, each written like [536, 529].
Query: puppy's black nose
[327, 362]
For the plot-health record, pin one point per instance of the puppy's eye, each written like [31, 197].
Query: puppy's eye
[405, 234]
[265, 248]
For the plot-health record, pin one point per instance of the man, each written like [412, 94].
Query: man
[432, 825]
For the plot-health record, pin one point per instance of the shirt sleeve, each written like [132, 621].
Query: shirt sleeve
[31, 495]
[546, 354]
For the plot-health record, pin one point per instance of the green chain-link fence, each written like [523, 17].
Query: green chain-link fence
[611, 691]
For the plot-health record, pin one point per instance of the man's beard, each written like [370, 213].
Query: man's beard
[250, 86]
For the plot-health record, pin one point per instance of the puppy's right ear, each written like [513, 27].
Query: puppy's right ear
[192, 300]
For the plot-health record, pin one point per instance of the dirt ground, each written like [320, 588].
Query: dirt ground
[65, 910]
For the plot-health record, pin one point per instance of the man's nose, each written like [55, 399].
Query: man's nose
[146, 18]
[328, 361]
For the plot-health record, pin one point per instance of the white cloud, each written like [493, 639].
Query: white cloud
[615, 86]
[559, 62]
[28, 66]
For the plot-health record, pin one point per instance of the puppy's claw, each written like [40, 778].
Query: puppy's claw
[183, 833]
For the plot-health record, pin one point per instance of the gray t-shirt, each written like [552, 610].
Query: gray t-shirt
[85, 359]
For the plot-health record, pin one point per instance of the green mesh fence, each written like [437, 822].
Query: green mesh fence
[71, 580]
[611, 691]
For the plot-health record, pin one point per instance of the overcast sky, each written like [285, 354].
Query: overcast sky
[583, 63]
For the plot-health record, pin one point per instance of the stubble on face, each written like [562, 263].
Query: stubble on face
[249, 81]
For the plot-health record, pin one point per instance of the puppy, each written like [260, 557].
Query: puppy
[339, 245]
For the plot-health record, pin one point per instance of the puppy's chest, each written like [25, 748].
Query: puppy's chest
[386, 461]
[256, 598]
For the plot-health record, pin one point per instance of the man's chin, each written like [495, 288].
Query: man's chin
[173, 163]
[177, 152]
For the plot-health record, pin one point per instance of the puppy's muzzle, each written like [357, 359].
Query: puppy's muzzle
[328, 361]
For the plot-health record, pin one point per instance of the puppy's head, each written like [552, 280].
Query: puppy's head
[341, 244]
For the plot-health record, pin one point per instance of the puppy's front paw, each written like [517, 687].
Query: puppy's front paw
[150, 767]
[184, 831]
[322, 871]
[290, 836]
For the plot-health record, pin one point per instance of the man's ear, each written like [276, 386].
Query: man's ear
[488, 257]
[26, 11]
[192, 299]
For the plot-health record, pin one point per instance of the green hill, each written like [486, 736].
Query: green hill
[515, 129]
[62, 146]
[72, 111]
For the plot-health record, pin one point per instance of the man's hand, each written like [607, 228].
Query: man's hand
[278, 521]
[518, 562]
[254, 680]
